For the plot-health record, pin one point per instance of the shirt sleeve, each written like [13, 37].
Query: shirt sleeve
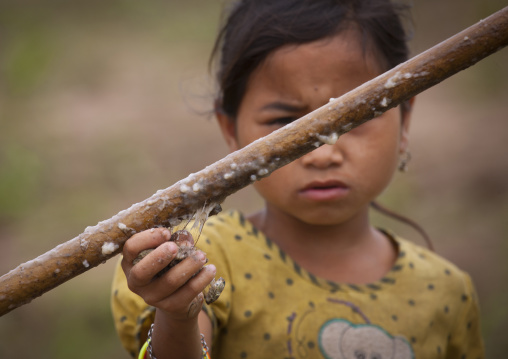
[131, 315]
[466, 339]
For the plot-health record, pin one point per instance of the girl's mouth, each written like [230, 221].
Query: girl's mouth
[324, 190]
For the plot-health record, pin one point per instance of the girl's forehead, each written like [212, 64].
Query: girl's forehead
[308, 75]
[345, 49]
[341, 56]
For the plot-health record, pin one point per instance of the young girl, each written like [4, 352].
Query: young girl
[307, 276]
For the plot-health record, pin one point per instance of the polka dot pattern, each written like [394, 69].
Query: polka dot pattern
[280, 302]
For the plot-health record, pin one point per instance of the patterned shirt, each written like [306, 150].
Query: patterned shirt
[425, 307]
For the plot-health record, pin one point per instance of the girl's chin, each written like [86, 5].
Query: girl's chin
[323, 218]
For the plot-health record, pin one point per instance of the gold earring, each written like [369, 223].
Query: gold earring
[405, 158]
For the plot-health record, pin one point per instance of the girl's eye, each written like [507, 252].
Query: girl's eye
[282, 121]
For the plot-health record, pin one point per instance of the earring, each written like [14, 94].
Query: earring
[405, 158]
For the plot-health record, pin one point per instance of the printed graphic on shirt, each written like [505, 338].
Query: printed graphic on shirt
[340, 339]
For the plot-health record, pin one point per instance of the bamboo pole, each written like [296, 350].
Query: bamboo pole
[199, 192]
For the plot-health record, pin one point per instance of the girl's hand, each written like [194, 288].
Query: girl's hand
[177, 292]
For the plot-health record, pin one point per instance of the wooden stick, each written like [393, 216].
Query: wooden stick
[200, 191]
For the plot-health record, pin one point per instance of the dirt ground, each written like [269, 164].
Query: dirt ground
[102, 105]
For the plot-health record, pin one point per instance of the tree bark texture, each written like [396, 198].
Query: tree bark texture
[198, 192]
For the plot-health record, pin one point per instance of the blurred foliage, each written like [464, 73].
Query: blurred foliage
[26, 60]
[101, 104]
[19, 180]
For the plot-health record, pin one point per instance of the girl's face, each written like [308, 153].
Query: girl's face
[333, 183]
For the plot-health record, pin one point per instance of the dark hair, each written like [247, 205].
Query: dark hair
[255, 28]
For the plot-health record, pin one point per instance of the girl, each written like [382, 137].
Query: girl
[307, 276]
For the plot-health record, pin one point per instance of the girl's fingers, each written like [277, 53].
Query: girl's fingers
[176, 277]
[188, 299]
[144, 271]
[144, 240]
[178, 291]
[195, 285]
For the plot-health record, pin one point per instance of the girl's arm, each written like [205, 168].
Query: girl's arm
[185, 335]
[176, 295]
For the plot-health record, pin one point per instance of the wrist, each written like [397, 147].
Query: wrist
[147, 349]
[170, 322]
[172, 337]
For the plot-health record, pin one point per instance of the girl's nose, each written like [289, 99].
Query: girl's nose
[324, 157]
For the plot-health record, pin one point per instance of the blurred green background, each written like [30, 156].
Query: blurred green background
[104, 103]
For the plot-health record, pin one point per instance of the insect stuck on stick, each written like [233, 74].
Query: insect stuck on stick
[186, 247]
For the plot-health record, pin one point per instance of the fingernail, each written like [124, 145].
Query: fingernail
[201, 256]
[172, 247]
[167, 234]
[211, 268]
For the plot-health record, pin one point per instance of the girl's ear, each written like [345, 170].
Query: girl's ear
[228, 128]
[404, 131]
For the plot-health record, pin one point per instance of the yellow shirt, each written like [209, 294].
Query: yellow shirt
[424, 307]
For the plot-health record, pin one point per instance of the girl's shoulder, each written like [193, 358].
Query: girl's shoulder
[417, 255]
[229, 234]
[229, 225]
[230, 216]
[429, 270]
